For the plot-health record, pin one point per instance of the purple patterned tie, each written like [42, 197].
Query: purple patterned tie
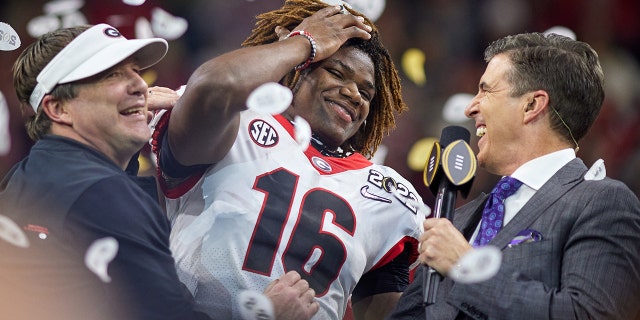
[493, 213]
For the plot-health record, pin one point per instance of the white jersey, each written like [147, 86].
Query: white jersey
[268, 208]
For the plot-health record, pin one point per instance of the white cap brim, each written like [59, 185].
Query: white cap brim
[93, 51]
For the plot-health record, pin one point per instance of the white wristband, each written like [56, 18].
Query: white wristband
[254, 305]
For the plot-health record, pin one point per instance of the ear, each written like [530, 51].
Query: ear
[56, 111]
[536, 104]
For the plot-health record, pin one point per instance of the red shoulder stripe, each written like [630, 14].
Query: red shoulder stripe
[161, 125]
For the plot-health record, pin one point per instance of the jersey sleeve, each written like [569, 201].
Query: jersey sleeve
[392, 277]
[173, 177]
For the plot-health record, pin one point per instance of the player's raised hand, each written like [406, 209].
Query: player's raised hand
[330, 27]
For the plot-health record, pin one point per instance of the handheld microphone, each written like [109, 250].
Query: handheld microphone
[450, 167]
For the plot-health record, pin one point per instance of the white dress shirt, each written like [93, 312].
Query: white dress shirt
[533, 175]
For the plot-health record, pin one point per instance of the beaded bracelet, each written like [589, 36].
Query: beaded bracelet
[312, 41]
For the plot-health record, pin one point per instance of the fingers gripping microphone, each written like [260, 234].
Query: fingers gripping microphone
[451, 167]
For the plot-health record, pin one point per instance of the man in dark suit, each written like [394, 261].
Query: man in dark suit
[569, 237]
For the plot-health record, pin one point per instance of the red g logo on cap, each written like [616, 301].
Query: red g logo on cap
[112, 32]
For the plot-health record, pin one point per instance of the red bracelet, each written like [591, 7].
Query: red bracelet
[312, 41]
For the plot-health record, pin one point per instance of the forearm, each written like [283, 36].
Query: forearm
[229, 78]
[204, 121]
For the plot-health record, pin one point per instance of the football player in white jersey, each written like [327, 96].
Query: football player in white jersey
[247, 203]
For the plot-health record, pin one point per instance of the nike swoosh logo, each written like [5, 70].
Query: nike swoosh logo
[364, 191]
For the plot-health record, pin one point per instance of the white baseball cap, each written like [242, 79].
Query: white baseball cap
[91, 52]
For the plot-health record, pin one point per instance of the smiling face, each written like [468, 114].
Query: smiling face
[334, 97]
[110, 113]
[499, 119]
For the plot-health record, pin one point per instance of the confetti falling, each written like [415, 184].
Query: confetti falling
[270, 98]
[166, 25]
[100, 253]
[5, 136]
[413, 66]
[302, 132]
[453, 110]
[477, 265]
[9, 39]
[11, 232]
[418, 154]
[597, 171]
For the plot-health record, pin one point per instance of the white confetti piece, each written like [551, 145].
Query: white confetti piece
[9, 39]
[333, 2]
[60, 7]
[5, 135]
[563, 31]
[479, 264]
[143, 28]
[134, 2]
[11, 232]
[453, 110]
[270, 98]
[255, 306]
[373, 9]
[42, 24]
[100, 253]
[302, 131]
[381, 155]
[167, 26]
[180, 90]
[597, 171]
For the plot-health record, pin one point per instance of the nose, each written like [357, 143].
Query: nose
[350, 90]
[137, 85]
[472, 108]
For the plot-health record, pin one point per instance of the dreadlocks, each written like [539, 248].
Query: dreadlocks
[388, 99]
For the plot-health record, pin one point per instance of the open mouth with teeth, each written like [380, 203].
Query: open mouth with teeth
[481, 131]
[132, 111]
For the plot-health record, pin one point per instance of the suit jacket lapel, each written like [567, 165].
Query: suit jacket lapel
[559, 184]
[468, 216]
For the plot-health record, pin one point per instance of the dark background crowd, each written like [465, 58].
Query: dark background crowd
[449, 35]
